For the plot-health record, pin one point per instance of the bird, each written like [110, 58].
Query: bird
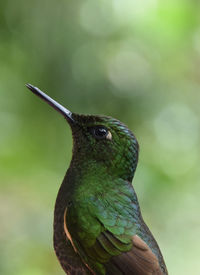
[98, 225]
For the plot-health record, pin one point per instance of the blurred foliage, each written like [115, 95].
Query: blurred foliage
[135, 60]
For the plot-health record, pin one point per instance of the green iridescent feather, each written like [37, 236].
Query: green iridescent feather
[98, 227]
[102, 216]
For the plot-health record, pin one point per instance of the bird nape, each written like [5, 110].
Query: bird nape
[98, 226]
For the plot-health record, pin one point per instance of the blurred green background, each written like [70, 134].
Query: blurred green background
[135, 60]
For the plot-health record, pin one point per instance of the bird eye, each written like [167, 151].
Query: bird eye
[100, 132]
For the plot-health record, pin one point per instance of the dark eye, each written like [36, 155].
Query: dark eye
[100, 132]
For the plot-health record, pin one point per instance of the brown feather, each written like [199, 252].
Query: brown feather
[139, 261]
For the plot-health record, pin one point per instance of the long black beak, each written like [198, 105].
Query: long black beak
[66, 113]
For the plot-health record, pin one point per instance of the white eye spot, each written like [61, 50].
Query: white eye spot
[109, 136]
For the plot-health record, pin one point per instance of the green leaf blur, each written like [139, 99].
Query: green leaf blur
[137, 61]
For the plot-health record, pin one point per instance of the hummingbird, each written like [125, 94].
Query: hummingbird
[98, 226]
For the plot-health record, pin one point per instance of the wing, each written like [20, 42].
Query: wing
[140, 260]
[104, 234]
[120, 255]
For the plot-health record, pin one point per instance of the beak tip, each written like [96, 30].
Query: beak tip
[65, 112]
[30, 87]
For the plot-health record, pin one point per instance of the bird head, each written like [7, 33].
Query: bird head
[99, 140]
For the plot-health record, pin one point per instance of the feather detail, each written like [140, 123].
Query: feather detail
[117, 243]
[67, 232]
[139, 261]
